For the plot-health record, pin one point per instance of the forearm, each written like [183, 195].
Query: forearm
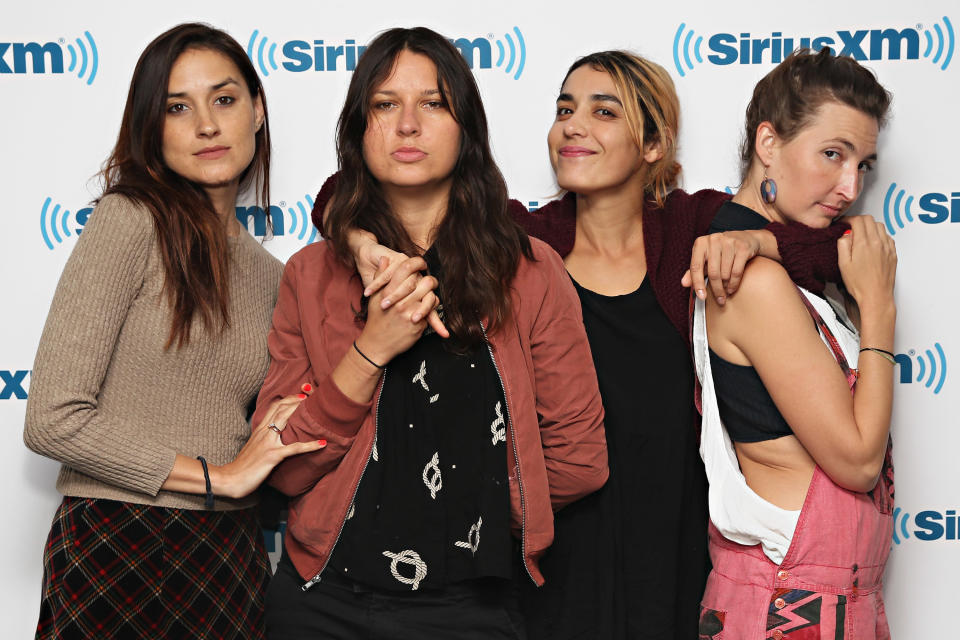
[873, 398]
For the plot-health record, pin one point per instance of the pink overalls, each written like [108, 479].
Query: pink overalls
[829, 583]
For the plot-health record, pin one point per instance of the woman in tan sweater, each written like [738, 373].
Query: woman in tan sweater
[154, 346]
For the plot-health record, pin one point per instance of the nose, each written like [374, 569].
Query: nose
[573, 126]
[409, 121]
[207, 126]
[851, 183]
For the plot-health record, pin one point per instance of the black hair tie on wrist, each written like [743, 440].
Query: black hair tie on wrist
[364, 356]
[206, 478]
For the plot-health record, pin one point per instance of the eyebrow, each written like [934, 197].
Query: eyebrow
[597, 97]
[850, 146]
[216, 87]
[424, 93]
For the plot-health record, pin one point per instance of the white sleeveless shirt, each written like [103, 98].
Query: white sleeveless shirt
[736, 510]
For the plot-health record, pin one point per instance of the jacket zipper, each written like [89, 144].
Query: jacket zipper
[516, 458]
[376, 429]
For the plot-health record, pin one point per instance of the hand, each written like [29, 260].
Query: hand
[393, 328]
[723, 257]
[262, 452]
[367, 254]
[868, 261]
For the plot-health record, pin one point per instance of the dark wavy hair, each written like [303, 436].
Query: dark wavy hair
[190, 234]
[478, 243]
[789, 96]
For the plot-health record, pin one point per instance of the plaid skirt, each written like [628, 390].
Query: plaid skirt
[122, 570]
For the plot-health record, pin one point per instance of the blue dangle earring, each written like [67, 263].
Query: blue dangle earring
[768, 189]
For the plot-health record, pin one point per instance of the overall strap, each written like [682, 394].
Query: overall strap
[851, 374]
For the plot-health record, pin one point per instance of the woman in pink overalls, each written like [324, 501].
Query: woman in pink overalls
[796, 405]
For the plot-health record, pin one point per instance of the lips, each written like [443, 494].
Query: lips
[575, 152]
[408, 154]
[212, 153]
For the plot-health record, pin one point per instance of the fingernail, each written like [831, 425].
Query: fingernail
[847, 232]
[385, 303]
[302, 396]
[721, 300]
[307, 387]
[701, 294]
[322, 443]
[366, 292]
[416, 317]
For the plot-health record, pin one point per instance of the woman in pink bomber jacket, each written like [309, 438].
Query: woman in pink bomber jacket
[508, 404]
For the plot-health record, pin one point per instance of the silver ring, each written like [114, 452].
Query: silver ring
[275, 427]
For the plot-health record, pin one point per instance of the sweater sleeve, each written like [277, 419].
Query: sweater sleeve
[809, 255]
[323, 197]
[327, 414]
[555, 222]
[64, 421]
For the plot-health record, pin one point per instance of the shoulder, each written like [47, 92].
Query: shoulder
[317, 263]
[120, 215]
[765, 285]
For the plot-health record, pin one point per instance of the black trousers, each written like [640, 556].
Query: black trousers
[338, 608]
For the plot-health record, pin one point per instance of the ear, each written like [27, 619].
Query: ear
[766, 142]
[258, 115]
[652, 152]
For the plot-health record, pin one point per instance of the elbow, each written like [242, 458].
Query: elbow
[860, 477]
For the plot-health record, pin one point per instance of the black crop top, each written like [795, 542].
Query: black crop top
[746, 408]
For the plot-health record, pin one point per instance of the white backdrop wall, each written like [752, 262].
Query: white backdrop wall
[64, 73]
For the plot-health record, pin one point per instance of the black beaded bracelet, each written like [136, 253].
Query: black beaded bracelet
[206, 478]
[364, 356]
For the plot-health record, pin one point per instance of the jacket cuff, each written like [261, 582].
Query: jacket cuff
[333, 411]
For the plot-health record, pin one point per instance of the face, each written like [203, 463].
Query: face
[591, 147]
[412, 140]
[819, 173]
[211, 120]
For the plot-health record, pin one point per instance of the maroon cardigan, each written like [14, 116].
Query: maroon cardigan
[808, 255]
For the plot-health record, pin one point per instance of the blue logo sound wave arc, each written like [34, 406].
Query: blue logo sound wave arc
[944, 36]
[304, 207]
[257, 50]
[518, 53]
[55, 222]
[894, 205]
[688, 44]
[324, 55]
[900, 520]
[931, 367]
[910, 43]
[80, 53]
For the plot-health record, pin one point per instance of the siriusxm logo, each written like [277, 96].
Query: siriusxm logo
[299, 220]
[11, 385]
[48, 57]
[319, 55]
[935, 207]
[928, 525]
[864, 44]
[56, 220]
[931, 367]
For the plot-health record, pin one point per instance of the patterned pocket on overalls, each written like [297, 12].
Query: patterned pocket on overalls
[794, 613]
[711, 624]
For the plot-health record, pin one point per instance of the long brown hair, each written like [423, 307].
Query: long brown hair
[478, 243]
[651, 109]
[191, 235]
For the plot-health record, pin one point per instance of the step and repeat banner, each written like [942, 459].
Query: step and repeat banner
[64, 74]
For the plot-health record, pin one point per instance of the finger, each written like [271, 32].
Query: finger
[736, 272]
[433, 319]
[713, 272]
[296, 448]
[727, 257]
[404, 270]
[845, 247]
[687, 279]
[398, 290]
[423, 308]
[697, 259]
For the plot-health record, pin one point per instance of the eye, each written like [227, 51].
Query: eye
[434, 104]
[176, 107]
[383, 106]
[865, 167]
[605, 113]
[225, 100]
[832, 154]
[563, 111]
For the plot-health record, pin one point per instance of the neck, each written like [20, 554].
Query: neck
[611, 222]
[224, 199]
[420, 210]
[750, 195]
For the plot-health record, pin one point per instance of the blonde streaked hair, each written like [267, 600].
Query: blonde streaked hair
[651, 110]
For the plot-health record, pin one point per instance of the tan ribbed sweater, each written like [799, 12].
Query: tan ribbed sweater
[108, 401]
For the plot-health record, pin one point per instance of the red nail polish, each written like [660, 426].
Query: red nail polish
[302, 396]
[307, 387]
[847, 232]
[322, 443]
